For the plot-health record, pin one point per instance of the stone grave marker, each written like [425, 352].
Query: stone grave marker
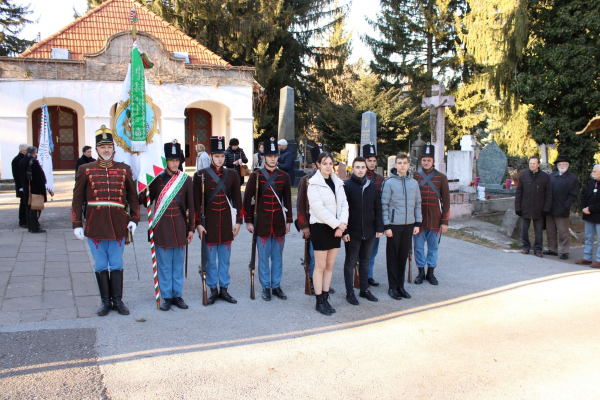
[286, 127]
[460, 166]
[368, 130]
[437, 104]
[491, 166]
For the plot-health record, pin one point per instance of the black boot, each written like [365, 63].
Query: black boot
[368, 295]
[166, 304]
[266, 294]
[214, 293]
[372, 282]
[103, 286]
[312, 287]
[321, 307]
[116, 290]
[403, 293]
[420, 277]
[351, 298]
[223, 295]
[326, 300]
[179, 303]
[279, 293]
[430, 276]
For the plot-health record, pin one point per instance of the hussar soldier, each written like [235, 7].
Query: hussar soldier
[370, 156]
[274, 212]
[304, 216]
[173, 193]
[108, 187]
[222, 197]
[435, 210]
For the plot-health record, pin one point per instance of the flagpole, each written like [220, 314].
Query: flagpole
[153, 250]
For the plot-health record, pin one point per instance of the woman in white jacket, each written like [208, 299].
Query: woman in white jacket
[328, 210]
[202, 159]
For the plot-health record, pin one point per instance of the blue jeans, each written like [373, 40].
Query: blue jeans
[107, 252]
[311, 259]
[170, 271]
[591, 230]
[374, 252]
[218, 270]
[431, 237]
[270, 248]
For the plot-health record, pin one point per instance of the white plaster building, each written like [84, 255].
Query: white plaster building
[193, 100]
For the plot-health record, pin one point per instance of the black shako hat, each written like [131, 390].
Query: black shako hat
[315, 151]
[428, 151]
[104, 136]
[217, 145]
[270, 147]
[173, 151]
[369, 150]
[562, 159]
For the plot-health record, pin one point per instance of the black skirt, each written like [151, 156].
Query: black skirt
[323, 237]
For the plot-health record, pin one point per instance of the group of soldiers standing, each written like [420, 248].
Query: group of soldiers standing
[358, 212]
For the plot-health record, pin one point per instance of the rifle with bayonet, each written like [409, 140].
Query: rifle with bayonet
[252, 264]
[187, 217]
[203, 247]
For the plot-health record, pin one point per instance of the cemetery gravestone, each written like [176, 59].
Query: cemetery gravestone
[286, 127]
[491, 166]
[368, 130]
[437, 104]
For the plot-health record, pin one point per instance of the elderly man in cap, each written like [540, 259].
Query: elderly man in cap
[565, 190]
[286, 159]
[109, 189]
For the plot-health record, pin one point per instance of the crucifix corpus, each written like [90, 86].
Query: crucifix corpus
[437, 104]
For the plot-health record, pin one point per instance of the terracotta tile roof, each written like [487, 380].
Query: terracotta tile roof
[88, 33]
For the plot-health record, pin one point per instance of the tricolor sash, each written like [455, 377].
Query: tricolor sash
[166, 196]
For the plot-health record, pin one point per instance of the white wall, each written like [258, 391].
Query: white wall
[93, 101]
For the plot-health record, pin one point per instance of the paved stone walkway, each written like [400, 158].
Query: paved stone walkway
[45, 276]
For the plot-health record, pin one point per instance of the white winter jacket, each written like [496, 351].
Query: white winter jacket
[324, 206]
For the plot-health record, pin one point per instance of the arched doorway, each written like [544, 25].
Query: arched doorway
[63, 124]
[198, 130]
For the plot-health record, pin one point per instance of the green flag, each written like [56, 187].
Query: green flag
[137, 103]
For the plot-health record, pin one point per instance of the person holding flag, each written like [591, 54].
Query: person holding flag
[274, 199]
[221, 190]
[173, 193]
[108, 186]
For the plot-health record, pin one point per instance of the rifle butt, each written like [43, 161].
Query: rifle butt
[204, 294]
[356, 277]
[307, 290]
[410, 268]
[252, 296]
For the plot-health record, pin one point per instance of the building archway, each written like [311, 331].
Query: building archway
[198, 130]
[65, 135]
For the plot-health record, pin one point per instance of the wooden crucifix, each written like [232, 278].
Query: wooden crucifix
[437, 104]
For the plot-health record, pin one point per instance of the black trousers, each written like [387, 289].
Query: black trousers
[23, 211]
[33, 224]
[361, 250]
[397, 249]
[538, 226]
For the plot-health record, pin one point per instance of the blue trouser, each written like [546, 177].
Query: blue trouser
[431, 237]
[373, 256]
[270, 248]
[217, 265]
[591, 230]
[170, 271]
[311, 259]
[107, 252]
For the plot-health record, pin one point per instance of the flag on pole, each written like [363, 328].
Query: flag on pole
[45, 145]
[147, 164]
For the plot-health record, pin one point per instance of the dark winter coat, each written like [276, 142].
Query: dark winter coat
[234, 155]
[286, 162]
[83, 160]
[534, 195]
[364, 205]
[38, 177]
[17, 174]
[591, 200]
[565, 190]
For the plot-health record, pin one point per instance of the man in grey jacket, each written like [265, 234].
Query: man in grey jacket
[401, 209]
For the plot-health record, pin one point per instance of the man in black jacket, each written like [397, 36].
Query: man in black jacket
[533, 201]
[565, 189]
[235, 157]
[32, 176]
[86, 157]
[364, 224]
[19, 185]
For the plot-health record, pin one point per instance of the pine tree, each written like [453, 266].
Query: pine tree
[13, 19]
[559, 78]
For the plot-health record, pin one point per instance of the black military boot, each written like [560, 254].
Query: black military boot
[116, 291]
[420, 277]
[320, 306]
[430, 276]
[179, 303]
[214, 294]
[266, 294]
[223, 295]
[103, 286]
[166, 304]
[279, 293]
[326, 300]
